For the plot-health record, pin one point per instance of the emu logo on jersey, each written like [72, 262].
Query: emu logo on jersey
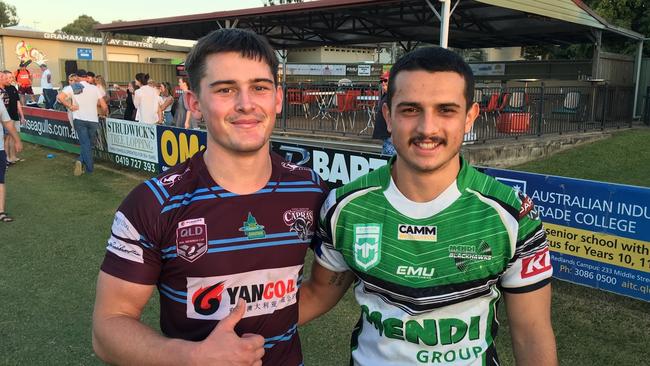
[191, 239]
[417, 233]
[367, 245]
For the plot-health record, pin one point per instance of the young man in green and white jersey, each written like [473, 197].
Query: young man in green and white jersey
[431, 242]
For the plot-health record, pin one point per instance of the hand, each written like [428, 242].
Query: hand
[73, 108]
[18, 145]
[224, 347]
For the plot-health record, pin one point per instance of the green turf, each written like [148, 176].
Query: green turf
[52, 252]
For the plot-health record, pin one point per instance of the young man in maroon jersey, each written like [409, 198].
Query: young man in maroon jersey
[222, 236]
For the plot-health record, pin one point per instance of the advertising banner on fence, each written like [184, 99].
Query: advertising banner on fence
[130, 144]
[49, 128]
[336, 167]
[175, 145]
[599, 233]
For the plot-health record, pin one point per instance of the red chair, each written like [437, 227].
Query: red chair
[295, 97]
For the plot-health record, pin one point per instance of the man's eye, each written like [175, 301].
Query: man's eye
[225, 90]
[410, 110]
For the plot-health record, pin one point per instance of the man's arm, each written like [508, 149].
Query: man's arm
[11, 131]
[529, 316]
[120, 338]
[322, 291]
[66, 101]
[20, 112]
[104, 107]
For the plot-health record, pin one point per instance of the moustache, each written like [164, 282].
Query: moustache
[433, 139]
[256, 116]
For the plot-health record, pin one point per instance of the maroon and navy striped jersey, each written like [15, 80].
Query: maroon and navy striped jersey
[204, 247]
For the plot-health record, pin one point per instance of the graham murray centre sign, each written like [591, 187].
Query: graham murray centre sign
[96, 40]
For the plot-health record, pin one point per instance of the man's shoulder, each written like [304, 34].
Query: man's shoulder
[376, 179]
[477, 182]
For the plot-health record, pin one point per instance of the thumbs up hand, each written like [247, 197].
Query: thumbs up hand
[224, 347]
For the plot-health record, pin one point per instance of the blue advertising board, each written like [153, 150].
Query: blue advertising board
[84, 53]
[598, 233]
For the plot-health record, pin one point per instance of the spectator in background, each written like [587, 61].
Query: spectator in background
[129, 109]
[8, 125]
[100, 83]
[166, 102]
[11, 101]
[82, 101]
[182, 118]
[145, 100]
[91, 78]
[24, 80]
[49, 94]
[64, 97]
[381, 131]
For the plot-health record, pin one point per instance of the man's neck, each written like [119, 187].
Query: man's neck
[424, 186]
[238, 173]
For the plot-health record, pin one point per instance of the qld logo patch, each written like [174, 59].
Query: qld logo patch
[367, 245]
[300, 221]
[191, 239]
[265, 291]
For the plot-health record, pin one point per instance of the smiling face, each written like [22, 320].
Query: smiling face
[238, 101]
[427, 120]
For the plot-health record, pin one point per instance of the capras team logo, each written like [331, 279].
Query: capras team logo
[536, 264]
[417, 233]
[300, 220]
[191, 239]
[207, 300]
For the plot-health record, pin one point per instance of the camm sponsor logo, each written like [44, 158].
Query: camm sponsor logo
[417, 233]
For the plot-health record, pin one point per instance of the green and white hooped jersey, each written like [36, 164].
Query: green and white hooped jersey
[430, 274]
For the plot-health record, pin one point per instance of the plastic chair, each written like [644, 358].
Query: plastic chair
[295, 97]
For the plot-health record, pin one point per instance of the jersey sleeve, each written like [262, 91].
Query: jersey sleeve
[325, 252]
[133, 252]
[4, 115]
[530, 268]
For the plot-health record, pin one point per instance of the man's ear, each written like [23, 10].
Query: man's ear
[385, 111]
[193, 105]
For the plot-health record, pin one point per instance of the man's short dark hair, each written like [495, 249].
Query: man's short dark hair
[433, 59]
[244, 42]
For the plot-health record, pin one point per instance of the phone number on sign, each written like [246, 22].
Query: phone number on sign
[135, 163]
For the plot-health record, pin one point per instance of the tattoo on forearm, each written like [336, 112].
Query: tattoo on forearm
[337, 279]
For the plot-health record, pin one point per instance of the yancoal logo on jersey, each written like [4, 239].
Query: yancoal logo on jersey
[417, 233]
[265, 291]
[300, 221]
[536, 264]
[367, 245]
[191, 239]
[206, 300]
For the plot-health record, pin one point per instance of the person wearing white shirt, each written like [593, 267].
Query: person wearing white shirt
[146, 100]
[83, 101]
[49, 94]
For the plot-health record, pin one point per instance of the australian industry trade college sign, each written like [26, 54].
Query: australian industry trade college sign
[599, 233]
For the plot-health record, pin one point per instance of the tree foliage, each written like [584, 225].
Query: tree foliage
[8, 15]
[83, 26]
[629, 14]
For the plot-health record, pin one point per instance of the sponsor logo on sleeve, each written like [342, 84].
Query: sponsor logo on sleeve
[191, 239]
[128, 251]
[265, 291]
[527, 207]
[417, 233]
[536, 264]
[300, 221]
[367, 245]
[123, 228]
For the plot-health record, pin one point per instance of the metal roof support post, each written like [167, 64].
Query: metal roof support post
[105, 36]
[285, 102]
[444, 22]
[596, 57]
[637, 77]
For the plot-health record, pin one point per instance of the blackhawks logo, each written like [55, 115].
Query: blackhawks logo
[367, 245]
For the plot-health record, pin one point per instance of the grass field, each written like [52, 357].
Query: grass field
[52, 252]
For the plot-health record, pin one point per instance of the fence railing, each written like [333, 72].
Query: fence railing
[504, 111]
